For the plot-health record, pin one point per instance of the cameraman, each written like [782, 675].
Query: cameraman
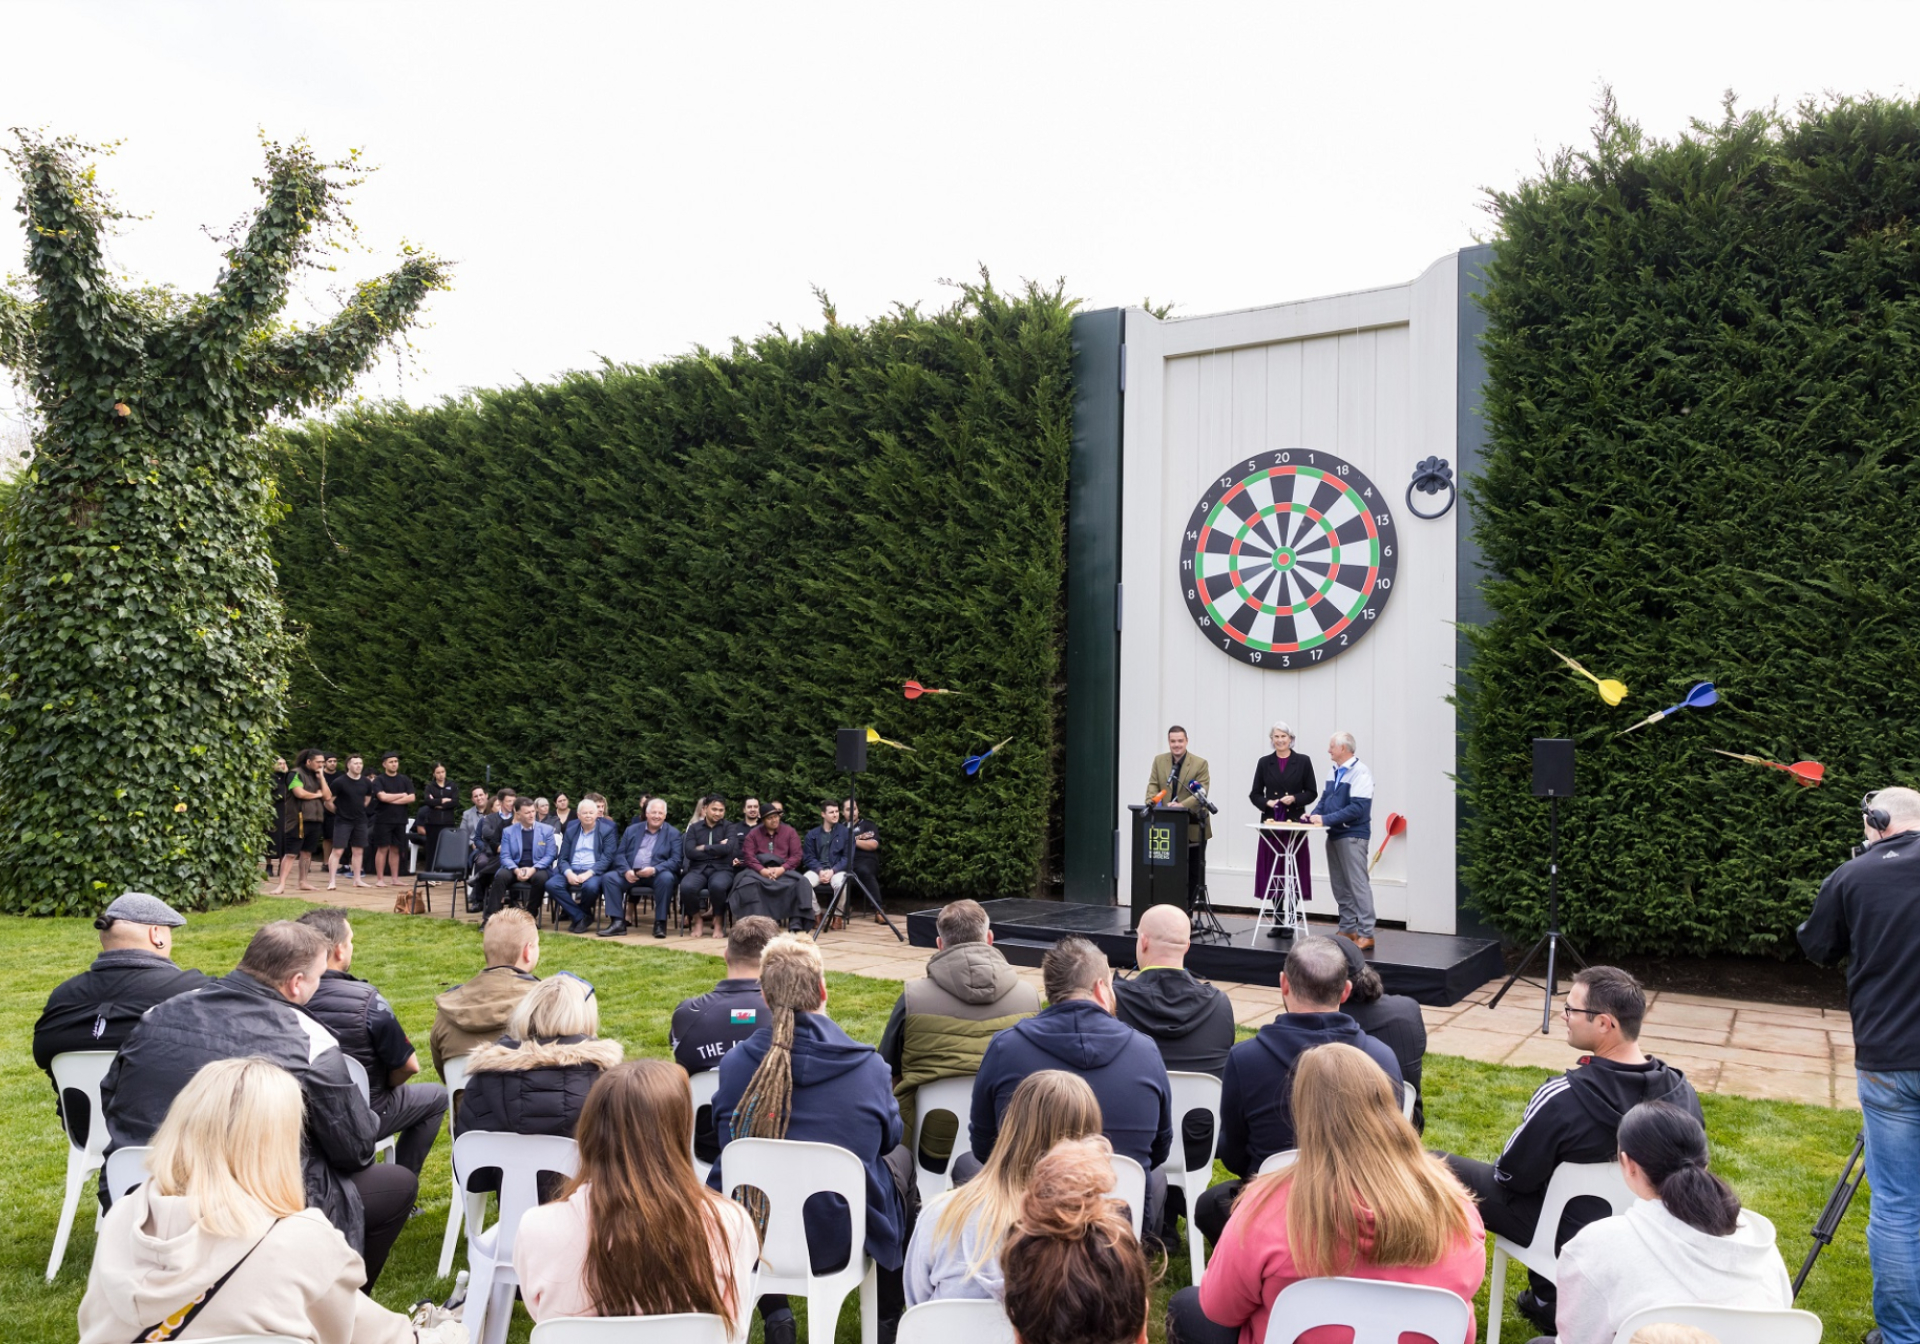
[1868, 911]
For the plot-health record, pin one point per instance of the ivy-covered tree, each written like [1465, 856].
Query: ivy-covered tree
[142, 646]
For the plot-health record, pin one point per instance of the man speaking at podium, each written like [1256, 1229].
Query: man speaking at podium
[1173, 771]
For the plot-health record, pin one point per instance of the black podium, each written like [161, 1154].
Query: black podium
[1160, 857]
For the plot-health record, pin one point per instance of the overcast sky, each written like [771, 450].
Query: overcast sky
[631, 180]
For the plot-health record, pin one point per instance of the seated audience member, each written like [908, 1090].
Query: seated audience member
[865, 857]
[1574, 1118]
[476, 1013]
[98, 1008]
[633, 1227]
[255, 1010]
[535, 1079]
[801, 1077]
[486, 851]
[562, 813]
[474, 815]
[709, 847]
[941, 1026]
[1392, 1019]
[1078, 1032]
[527, 855]
[1687, 1241]
[362, 1020]
[1189, 1020]
[824, 854]
[1256, 1112]
[580, 874]
[706, 1028]
[750, 813]
[650, 857]
[1362, 1201]
[956, 1244]
[1074, 1272]
[768, 880]
[223, 1226]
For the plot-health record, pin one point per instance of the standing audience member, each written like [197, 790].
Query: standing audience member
[392, 795]
[1346, 810]
[352, 793]
[256, 1010]
[562, 812]
[801, 1077]
[1688, 1240]
[709, 848]
[941, 1026]
[706, 1028]
[1394, 1020]
[633, 1229]
[535, 1079]
[222, 1236]
[362, 1020]
[580, 874]
[476, 1013]
[1574, 1118]
[768, 880]
[650, 856]
[1256, 1111]
[824, 854]
[527, 854]
[1361, 1201]
[98, 1008]
[1074, 1271]
[437, 812]
[866, 852]
[303, 812]
[955, 1252]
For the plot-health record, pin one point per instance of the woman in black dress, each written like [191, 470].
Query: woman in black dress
[1283, 785]
[439, 811]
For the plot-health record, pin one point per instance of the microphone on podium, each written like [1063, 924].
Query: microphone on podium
[1158, 798]
[1194, 788]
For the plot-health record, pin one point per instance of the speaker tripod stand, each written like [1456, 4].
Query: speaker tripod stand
[1550, 940]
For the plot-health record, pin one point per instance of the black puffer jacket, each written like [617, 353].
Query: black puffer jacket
[530, 1087]
[99, 1008]
[233, 1017]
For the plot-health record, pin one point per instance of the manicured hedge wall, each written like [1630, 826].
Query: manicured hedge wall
[1704, 361]
[685, 577]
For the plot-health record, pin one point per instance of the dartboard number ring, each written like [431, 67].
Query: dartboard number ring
[1289, 559]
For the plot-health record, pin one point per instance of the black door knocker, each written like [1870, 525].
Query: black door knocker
[1431, 477]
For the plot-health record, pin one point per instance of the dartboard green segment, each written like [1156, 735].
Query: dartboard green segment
[1288, 559]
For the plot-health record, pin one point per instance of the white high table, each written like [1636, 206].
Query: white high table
[1283, 904]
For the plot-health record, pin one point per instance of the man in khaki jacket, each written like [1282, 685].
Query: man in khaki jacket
[475, 1014]
[1173, 770]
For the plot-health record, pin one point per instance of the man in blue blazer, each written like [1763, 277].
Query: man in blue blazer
[824, 854]
[527, 852]
[651, 856]
[587, 852]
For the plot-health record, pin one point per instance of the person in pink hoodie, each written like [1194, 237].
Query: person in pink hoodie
[1362, 1200]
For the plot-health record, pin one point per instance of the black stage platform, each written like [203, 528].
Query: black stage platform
[1433, 968]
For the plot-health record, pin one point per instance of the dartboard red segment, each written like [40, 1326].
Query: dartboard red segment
[1289, 558]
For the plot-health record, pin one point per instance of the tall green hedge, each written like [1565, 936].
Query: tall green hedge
[1704, 408]
[686, 577]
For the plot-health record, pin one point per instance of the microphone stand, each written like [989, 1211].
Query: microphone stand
[1203, 919]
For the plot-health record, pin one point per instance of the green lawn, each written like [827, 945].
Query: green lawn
[1781, 1157]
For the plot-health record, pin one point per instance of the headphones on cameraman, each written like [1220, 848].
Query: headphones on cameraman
[1875, 817]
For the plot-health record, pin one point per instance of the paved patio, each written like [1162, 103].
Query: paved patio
[1728, 1046]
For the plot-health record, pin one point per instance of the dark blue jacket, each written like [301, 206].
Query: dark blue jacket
[1079, 1036]
[842, 1095]
[820, 850]
[1339, 811]
[606, 844]
[1256, 1095]
[545, 848]
[668, 850]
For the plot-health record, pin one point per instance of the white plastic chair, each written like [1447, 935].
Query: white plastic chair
[1407, 1098]
[1377, 1312]
[687, 1327]
[491, 1278]
[1193, 1092]
[1279, 1161]
[454, 1077]
[789, 1172]
[79, 1071]
[1745, 1325]
[125, 1171]
[249, 1339]
[1130, 1187]
[956, 1320]
[1570, 1181]
[955, 1097]
[358, 1072]
[706, 1084]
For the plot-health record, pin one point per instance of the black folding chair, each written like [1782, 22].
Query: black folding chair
[448, 864]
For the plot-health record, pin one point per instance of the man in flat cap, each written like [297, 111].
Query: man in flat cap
[99, 1007]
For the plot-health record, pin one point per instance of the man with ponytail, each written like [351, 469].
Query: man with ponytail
[801, 1077]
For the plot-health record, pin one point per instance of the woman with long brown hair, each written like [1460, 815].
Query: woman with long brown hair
[630, 1230]
[1363, 1200]
[955, 1250]
[1075, 1273]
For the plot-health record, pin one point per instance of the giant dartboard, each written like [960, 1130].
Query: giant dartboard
[1288, 560]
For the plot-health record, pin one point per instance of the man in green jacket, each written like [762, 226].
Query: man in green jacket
[941, 1026]
[1174, 770]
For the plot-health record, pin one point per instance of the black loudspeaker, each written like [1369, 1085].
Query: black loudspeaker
[850, 750]
[1553, 767]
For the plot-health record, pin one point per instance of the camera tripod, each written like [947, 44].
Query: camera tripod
[1835, 1211]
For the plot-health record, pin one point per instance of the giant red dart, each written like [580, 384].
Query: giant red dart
[914, 690]
[1699, 697]
[1803, 772]
[1396, 825]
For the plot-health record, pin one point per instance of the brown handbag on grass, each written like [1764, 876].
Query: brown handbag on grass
[410, 901]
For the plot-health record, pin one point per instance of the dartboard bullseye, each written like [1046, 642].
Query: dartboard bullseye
[1288, 560]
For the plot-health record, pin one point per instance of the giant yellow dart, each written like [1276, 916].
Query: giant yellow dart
[874, 737]
[1613, 692]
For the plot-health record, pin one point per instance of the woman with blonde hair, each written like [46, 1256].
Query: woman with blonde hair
[1075, 1273]
[955, 1250]
[220, 1240]
[1362, 1200]
[630, 1229]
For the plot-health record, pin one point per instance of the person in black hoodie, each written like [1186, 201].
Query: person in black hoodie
[706, 1028]
[1256, 1095]
[1392, 1019]
[1574, 1118]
